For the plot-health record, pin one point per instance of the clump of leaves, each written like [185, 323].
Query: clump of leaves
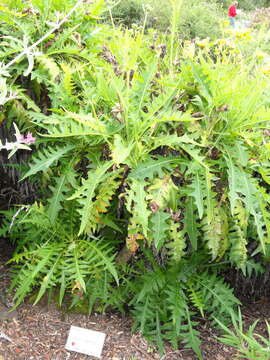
[248, 344]
[165, 301]
[137, 152]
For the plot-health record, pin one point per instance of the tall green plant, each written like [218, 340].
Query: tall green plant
[137, 152]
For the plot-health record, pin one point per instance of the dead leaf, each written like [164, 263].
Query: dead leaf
[132, 243]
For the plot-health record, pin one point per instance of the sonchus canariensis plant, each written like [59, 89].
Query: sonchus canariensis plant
[143, 162]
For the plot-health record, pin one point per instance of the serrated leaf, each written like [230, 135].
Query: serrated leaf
[44, 159]
[45, 284]
[247, 187]
[153, 167]
[191, 225]
[210, 200]
[120, 150]
[137, 205]
[67, 81]
[177, 242]
[85, 194]
[213, 238]
[195, 154]
[159, 228]
[174, 140]
[25, 286]
[106, 260]
[59, 192]
[197, 193]
[232, 177]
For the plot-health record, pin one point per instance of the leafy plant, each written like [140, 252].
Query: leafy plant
[165, 300]
[247, 343]
[196, 19]
[149, 155]
[57, 259]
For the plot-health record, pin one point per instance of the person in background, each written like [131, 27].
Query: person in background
[232, 13]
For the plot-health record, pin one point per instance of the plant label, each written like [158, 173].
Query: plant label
[85, 341]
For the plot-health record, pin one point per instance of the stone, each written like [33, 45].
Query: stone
[6, 314]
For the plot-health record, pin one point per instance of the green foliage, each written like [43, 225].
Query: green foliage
[195, 19]
[162, 299]
[57, 258]
[45, 159]
[152, 160]
[128, 13]
[248, 343]
[201, 19]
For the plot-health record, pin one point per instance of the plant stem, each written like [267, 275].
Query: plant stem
[176, 6]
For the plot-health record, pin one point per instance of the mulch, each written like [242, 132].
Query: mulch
[40, 333]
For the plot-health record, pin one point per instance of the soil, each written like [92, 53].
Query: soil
[40, 332]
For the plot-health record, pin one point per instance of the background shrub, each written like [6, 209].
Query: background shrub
[128, 13]
[200, 19]
[196, 19]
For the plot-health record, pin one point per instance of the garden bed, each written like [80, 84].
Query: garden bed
[40, 332]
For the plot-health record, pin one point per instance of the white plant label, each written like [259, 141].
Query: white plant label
[84, 341]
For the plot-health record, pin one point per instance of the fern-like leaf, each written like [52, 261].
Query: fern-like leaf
[137, 205]
[195, 297]
[216, 232]
[59, 191]
[191, 223]
[159, 228]
[238, 236]
[48, 279]
[67, 82]
[106, 191]
[218, 298]
[177, 242]
[153, 167]
[86, 193]
[70, 124]
[36, 263]
[177, 302]
[45, 158]
[50, 66]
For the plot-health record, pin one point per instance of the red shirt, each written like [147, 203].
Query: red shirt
[232, 11]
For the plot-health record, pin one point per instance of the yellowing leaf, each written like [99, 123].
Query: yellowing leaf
[120, 150]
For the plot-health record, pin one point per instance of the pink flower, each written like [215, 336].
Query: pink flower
[23, 139]
[28, 139]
